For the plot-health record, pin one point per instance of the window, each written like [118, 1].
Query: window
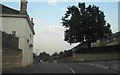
[14, 33]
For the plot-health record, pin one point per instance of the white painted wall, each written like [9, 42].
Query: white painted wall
[23, 31]
[0, 46]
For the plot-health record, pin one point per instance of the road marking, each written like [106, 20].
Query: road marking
[70, 68]
[66, 65]
[101, 66]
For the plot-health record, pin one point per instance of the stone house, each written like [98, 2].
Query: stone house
[18, 23]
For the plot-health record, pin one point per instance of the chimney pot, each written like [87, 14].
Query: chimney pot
[32, 21]
[23, 9]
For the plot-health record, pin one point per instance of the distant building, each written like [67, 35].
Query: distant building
[79, 46]
[19, 24]
[114, 39]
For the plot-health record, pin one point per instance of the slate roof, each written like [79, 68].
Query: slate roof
[7, 10]
[114, 35]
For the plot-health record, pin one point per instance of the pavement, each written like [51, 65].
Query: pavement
[115, 67]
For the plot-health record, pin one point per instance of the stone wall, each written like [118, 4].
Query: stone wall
[11, 59]
[95, 57]
[90, 57]
[94, 54]
[11, 55]
[98, 50]
[9, 41]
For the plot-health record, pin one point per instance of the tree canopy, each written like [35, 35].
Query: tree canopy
[44, 56]
[85, 24]
[55, 55]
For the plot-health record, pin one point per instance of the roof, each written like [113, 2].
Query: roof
[114, 35]
[82, 46]
[10, 12]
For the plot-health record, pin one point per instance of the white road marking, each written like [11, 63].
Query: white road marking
[101, 66]
[70, 68]
[66, 65]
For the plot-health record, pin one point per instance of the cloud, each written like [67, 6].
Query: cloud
[51, 39]
[52, 2]
[54, 31]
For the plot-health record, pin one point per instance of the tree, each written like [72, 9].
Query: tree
[61, 54]
[34, 55]
[44, 56]
[35, 58]
[85, 24]
[55, 55]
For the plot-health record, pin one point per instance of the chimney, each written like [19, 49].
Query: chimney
[32, 21]
[23, 7]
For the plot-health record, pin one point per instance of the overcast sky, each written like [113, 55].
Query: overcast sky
[47, 16]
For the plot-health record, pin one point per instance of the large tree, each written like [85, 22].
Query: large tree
[85, 24]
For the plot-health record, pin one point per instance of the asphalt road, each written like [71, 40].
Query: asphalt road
[66, 68]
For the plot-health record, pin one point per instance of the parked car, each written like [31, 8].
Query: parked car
[55, 61]
[41, 61]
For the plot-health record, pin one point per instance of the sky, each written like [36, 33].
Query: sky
[47, 16]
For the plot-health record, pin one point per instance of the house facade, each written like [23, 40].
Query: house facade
[18, 23]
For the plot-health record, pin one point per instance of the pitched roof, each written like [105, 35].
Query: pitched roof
[7, 10]
[117, 34]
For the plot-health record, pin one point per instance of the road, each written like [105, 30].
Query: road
[66, 68]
